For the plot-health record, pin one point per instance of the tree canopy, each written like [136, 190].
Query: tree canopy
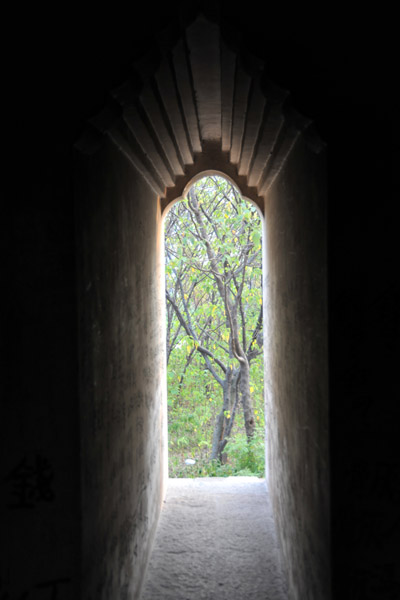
[214, 317]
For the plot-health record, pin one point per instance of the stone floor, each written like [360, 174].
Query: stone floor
[215, 540]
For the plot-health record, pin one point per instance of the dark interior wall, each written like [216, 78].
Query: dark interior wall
[122, 372]
[39, 440]
[363, 326]
[295, 297]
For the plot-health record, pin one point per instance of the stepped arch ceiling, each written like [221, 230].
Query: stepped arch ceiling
[197, 104]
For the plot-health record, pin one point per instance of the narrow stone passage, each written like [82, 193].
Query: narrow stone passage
[215, 540]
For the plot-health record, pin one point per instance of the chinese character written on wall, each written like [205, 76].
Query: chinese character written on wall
[30, 482]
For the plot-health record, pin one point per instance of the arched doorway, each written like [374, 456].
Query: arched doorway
[213, 258]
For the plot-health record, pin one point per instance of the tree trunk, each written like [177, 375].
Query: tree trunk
[220, 421]
[228, 424]
[248, 413]
[247, 404]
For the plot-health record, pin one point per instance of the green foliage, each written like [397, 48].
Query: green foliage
[248, 457]
[245, 459]
[194, 394]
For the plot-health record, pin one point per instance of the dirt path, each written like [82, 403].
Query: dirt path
[215, 540]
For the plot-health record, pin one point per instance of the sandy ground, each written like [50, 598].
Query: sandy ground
[215, 540]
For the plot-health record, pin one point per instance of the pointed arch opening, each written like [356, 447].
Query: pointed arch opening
[214, 331]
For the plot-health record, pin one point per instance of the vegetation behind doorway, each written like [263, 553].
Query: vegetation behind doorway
[214, 333]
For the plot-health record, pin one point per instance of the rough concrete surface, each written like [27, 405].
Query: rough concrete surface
[215, 540]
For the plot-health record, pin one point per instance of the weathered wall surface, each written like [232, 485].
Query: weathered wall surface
[297, 379]
[121, 379]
